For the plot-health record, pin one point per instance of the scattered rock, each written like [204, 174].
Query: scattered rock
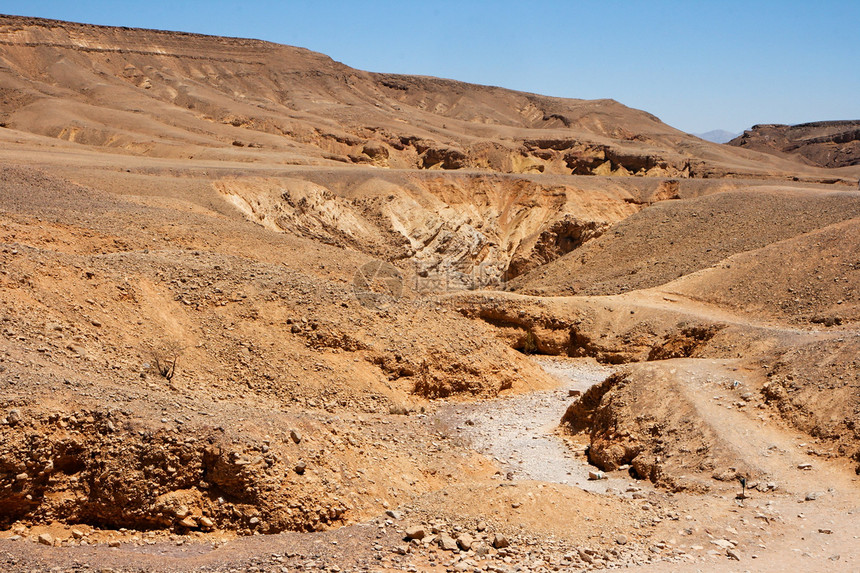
[621, 539]
[300, 467]
[825, 531]
[811, 496]
[447, 543]
[398, 410]
[14, 417]
[295, 436]
[732, 554]
[465, 541]
[46, 539]
[182, 512]
[500, 541]
[416, 532]
[188, 522]
[596, 475]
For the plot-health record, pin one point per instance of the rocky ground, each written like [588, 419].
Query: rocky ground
[511, 521]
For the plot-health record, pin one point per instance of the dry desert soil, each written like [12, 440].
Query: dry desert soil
[260, 311]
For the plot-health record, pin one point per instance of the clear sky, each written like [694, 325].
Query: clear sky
[696, 64]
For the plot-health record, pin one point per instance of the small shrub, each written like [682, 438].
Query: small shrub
[530, 345]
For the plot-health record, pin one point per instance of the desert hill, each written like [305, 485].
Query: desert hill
[681, 237]
[821, 143]
[260, 310]
[162, 94]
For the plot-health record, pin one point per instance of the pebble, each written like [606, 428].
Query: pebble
[500, 541]
[14, 417]
[295, 436]
[732, 554]
[811, 496]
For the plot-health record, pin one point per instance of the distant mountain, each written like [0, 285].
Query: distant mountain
[821, 143]
[717, 135]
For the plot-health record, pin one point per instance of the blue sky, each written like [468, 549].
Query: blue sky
[696, 64]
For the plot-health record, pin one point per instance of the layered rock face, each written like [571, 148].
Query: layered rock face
[821, 143]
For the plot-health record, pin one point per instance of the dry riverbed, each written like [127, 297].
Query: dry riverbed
[522, 434]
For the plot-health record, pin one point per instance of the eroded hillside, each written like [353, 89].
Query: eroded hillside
[164, 94]
[821, 143]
